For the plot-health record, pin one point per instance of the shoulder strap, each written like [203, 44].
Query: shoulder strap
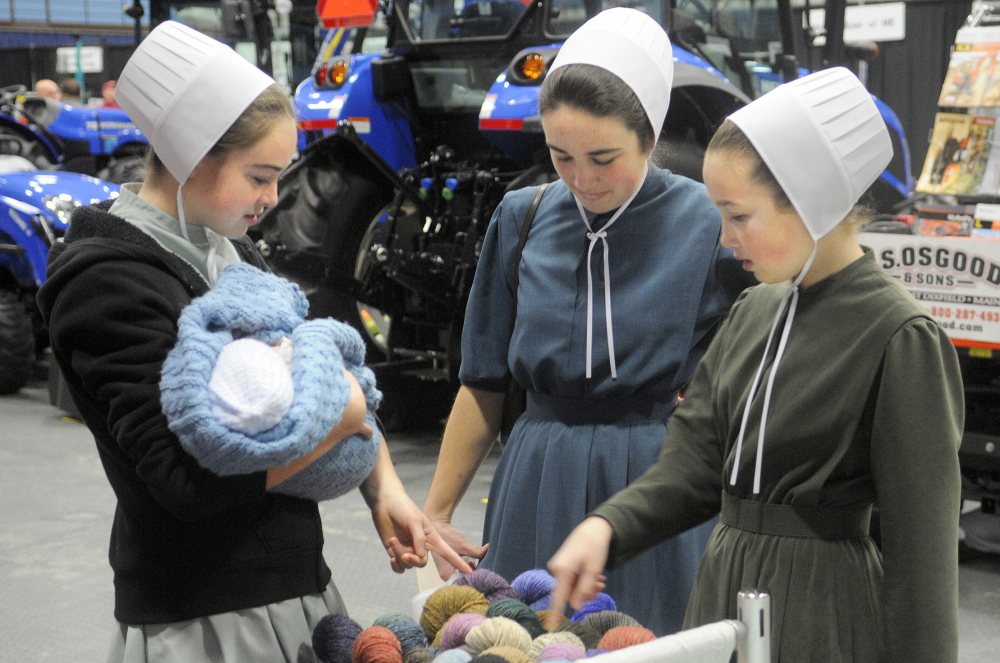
[529, 217]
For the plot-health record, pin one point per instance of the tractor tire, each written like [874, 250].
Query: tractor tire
[17, 343]
[124, 169]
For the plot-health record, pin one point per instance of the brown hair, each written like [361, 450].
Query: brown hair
[728, 139]
[598, 92]
[270, 106]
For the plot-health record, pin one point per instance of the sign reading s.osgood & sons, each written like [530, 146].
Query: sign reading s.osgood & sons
[957, 279]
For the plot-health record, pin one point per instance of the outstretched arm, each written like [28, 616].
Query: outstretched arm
[578, 567]
[406, 532]
[472, 429]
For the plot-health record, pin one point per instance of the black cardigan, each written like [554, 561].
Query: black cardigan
[185, 542]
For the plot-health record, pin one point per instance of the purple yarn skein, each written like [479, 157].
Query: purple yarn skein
[489, 584]
[455, 629]
[533, 586]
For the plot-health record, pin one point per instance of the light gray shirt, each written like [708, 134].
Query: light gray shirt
[166, 230]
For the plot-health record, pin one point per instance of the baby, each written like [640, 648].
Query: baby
[251, 385]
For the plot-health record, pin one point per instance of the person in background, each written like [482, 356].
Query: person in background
[207, 568]
[622, 285]
[827, 390]
[47, 88]
[72, 94]
[108, 94]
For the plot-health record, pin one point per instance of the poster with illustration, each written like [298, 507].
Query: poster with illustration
[973, 77]
[958, 154]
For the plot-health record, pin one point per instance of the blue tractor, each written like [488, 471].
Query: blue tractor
[419, 116]
[101, 142]
[35, 207]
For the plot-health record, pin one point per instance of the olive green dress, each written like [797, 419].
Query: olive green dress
[867, 407]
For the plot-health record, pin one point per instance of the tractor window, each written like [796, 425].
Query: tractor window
[454, 84]
[565, 16]
[462, 19]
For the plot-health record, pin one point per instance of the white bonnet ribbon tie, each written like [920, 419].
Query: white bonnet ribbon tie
[602, 235]
[180, 213]
[791, 294]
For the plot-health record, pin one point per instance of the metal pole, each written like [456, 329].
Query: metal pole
[753, 608]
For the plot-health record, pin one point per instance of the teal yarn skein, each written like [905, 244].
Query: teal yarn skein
[605, 620]
[588, 635]
[519, 612]
[410, 634]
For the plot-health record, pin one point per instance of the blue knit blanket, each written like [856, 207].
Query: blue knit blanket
[247, 302]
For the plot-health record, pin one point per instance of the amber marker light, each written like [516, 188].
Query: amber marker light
[532, 66]
[338, 72]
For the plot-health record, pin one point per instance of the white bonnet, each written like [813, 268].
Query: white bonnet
[823, 139]
[184, 90]
[633, 47]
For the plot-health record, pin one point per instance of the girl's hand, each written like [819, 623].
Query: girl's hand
[578, 566]
[408, 534]
[459, 544]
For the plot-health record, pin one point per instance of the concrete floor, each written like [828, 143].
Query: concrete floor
[55, 516]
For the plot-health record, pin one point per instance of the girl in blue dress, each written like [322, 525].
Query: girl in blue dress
[618, 297]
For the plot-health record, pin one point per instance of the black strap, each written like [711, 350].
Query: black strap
[529, 217]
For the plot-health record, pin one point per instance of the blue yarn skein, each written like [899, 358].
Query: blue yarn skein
[408, 632]
[333, 638]
[597, 604]
[453, 656]
[533, 587]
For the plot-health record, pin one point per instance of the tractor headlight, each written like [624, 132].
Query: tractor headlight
[62, 205]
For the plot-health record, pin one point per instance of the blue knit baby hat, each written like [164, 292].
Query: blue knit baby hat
[249, 303]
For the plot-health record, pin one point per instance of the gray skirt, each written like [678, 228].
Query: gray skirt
[275, 633]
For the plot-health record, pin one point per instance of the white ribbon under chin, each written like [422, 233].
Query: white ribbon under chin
[602, 235]
[792, 295]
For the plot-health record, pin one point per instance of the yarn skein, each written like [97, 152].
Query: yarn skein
[453, 633]
[561, 651]
[534, 586]
[510, 654]
[520, 613]
[546, 639]
[333, 638]
[409, 633]
[447, 601]
[418, 655]
[608, 619]
[587, 633]
[497, 632]
[377, 644]
[452, 656]
[492, 585]
[621, 637]
[543, 616]
[599, 603]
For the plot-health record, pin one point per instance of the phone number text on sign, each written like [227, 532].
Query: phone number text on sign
[957, 279]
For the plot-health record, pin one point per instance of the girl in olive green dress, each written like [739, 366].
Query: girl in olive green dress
[827, 390]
